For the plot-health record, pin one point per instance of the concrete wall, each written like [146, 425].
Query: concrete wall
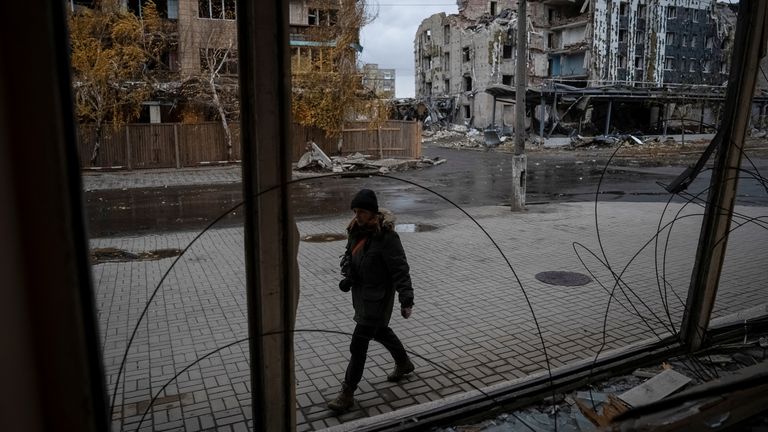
[439, 56]
[572, 35]
[199, 33]
[474, 9]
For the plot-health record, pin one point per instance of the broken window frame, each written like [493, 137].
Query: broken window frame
[641, 11]
[683, 40]
[447, 85]
[622, 61]
[638, 62]
[173, 9]
[446, 34]
[623, 8]
[709, 42]
[217, 9]
[695, 15]
[639, 37]
[693, 40]
[204, 9]
[507, 80]
[506, 51]
[669, 63]
[707, 66]
[467, 81]
[671, 12]
[447, 61]
[494, 7]
[623, 36]
[692, 66]
[466, 54]
[670, 39]
[467, 111]
[313, 17]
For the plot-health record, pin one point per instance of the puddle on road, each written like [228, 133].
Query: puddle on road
[414, 227]
[324, 237]
[103, 255]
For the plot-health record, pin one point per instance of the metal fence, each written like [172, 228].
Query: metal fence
[176, 145]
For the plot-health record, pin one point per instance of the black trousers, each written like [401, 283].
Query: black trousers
[361, 337]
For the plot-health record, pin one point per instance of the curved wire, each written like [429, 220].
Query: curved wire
[211, 224]
[239, 341]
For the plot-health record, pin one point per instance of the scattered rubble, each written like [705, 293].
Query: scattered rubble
[687, 391]
[315, 160]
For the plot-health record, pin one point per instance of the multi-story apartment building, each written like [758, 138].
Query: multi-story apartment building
[205, 30]
[634, 43]
[379, 81]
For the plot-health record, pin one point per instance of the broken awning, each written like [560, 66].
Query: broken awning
[615, 92]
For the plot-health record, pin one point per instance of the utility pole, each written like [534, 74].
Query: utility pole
[519, 161]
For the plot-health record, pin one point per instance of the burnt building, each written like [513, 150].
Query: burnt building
[679, 48]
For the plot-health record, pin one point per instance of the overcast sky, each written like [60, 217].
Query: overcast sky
[388, 41]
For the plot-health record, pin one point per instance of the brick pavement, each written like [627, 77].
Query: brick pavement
[471, 325]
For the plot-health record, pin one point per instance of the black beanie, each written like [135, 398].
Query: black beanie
[366, 200]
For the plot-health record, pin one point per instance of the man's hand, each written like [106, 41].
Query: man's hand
[406, 312]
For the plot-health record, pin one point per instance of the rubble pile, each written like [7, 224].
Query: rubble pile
[707, 388]
[315, 160]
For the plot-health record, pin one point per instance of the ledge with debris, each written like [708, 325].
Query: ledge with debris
[316, 161]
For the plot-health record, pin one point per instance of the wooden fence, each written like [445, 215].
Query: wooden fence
[176, 145]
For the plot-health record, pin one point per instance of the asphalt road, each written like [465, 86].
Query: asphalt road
[469, 178]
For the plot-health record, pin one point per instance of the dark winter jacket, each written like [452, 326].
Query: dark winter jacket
[378, 271]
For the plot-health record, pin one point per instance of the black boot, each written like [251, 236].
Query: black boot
[401, 371]
[344, 400]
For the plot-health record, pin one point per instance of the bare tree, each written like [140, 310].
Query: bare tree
[216, 85]
[327, 85]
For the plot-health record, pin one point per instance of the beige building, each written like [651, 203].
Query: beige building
[379, 81]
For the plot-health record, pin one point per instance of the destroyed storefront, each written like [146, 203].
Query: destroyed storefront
[561, 110]
[673, 46]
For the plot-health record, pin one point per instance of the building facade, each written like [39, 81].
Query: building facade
[589, 43]
[380, 82]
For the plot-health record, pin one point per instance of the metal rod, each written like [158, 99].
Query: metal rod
[750, 36]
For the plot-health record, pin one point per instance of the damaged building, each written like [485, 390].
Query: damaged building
[594, 66]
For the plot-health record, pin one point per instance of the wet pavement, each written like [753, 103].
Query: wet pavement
[472, 327]
[469, 178]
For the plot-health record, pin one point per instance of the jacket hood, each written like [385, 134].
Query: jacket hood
[386, 221]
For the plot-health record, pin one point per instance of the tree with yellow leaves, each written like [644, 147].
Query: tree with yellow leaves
[327, 85]
[112, 53]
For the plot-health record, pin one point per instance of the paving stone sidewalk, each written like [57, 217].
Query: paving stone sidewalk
[471, 326]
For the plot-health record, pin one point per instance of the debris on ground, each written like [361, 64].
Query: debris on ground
[714, 390]
[315, 160]
[578, 141]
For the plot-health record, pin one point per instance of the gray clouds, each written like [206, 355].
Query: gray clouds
[388, 41]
